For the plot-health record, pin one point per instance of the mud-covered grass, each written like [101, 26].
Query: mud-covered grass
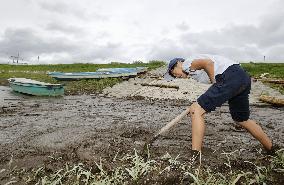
[39, 72]
[273, 70]
[134, 169]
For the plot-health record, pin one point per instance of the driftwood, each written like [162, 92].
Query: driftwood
[273, 81]
[272, 100]
[155, 77]
[159, 85]
[4, 82]
[8, 109]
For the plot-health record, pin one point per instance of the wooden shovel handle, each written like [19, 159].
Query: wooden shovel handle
[173, 122]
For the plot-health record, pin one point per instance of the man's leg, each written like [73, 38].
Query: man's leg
[198, 126]
[256, 131]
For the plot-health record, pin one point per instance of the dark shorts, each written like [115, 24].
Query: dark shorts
[233, 85]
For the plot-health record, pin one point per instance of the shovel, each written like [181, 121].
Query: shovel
[165, 128]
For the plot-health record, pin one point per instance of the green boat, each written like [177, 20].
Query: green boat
[37, 88]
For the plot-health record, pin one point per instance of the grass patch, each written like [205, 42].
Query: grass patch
[39, 72]
[133, 169]
[274, 70]
[77, 67]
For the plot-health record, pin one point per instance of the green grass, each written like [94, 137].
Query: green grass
[274, 70]
[77, 67]
[39, 72]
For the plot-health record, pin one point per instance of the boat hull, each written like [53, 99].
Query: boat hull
[99, 74]
[82, 76]
[37, 90]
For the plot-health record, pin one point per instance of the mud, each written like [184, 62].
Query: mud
[91, 127]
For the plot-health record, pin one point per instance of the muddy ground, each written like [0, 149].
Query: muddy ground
[89, 127]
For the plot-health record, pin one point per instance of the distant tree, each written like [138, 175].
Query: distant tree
[157, 62]
[117, 63]
[137, 62]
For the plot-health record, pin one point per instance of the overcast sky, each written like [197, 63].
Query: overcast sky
[102, 31]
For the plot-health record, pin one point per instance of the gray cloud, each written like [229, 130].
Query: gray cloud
[182, 26]
[28, 41]
[275, 52]
[240, 42]
[80, 31]
[101, 52]
[272, 29]
[67, 8]
[61, 27]
[30, 45]
[63, 8]
[238, 46]
[166, 49]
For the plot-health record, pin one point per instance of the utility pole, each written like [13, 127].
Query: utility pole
[16, 58]
[12, 58]
[264, 58]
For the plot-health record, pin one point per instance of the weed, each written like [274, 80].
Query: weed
[133, 169]
[228, 163]
[139, 167]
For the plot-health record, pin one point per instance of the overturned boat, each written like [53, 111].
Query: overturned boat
[37, 88]
[100, 73]
[138, 70]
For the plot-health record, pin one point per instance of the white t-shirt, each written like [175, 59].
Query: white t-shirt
[220, 65]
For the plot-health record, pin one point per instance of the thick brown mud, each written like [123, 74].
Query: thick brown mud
[87, 128]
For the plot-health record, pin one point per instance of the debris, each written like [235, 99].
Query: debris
[264, 75]
[159, 85]
[272, 100]
[274, 81]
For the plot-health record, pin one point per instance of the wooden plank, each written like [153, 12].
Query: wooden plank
[159, 85]
[274, 81]
[272, 100]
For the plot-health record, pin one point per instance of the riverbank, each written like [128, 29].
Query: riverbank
[39, 72]
[93, 86]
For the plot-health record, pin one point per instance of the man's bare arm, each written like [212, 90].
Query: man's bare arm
[207, 65]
